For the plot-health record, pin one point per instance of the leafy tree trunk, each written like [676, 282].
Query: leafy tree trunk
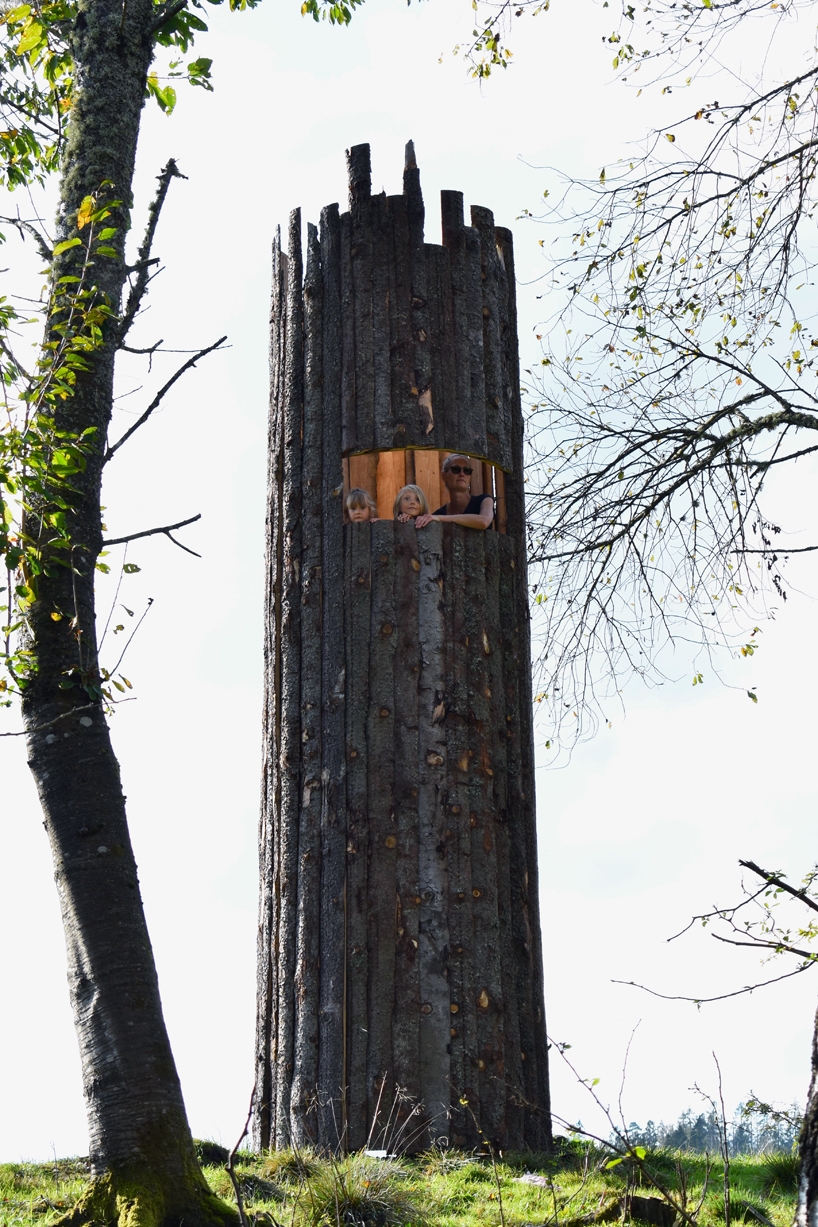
[141, 1149]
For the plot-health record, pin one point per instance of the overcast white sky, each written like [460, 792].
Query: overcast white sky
[644, 826]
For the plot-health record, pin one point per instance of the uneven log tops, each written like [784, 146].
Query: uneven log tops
[427, 325]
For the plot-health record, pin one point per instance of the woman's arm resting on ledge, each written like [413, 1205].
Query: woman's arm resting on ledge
[467, 519]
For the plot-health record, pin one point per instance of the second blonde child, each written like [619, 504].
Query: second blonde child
[410, 502]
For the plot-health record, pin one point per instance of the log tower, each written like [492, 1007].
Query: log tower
[399, 936]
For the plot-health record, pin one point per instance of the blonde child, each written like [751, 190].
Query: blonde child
[359, 507]
[410, 502]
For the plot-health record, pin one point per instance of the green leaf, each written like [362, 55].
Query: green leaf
[752, 696]
[33, 35]
[131, 568]
[640, 1152]
[61, 247]
[106, 251]
[614, 1162]
[108, 233]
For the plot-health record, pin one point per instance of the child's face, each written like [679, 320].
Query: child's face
[409, 504]
[358, 514]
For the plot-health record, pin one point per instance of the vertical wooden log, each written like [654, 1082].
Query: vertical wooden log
[497, 435]
[264, 1111]
[406, 1010]
[304, 1122]
[359, 173]
[487, 985]
[540, 1121]
[511, 1071]
[514, 490]
[463, 1028]
[420, 316]
[443, 347]
[505, 300]
[289, 790]
[332, 1104]
[474, 323]
[433, 936]
[357, 630]
[362, 212]
[462, 430]
[382, 826]
[381, 231]
[538, 1126]
[431, 340]
[402, 345]
[349, 422]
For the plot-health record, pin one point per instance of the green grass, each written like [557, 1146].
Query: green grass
[438, 1189]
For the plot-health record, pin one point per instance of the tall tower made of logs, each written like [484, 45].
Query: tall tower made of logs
[400, 955]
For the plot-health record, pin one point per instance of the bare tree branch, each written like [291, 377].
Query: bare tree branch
[27, 228]
[138, 288]
[201, 353]
[166, 529]
[780, 884]
[749, 988]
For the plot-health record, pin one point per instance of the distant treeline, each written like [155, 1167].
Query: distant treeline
[756, 1128]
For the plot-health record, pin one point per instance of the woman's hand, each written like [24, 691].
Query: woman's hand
[422, 521]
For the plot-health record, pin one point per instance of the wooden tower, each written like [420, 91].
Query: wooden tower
[399, 936]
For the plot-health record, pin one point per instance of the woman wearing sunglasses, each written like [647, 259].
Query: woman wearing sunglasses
[472, 511]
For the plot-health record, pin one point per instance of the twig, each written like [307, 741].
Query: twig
[169, 171]
[39, 728]
[113, 603]
[130, 639]
[201, 353]
[166, 529]
[43, 248]
[245, 1222]
[748, 988]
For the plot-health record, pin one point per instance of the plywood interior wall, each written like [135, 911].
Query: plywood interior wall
[382, 474]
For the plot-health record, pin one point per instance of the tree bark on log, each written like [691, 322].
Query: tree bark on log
[306, 979]
[357, 619]
[433, 930]
[332, 1102]
[290, 688]
[381, 817]
[406, 1009]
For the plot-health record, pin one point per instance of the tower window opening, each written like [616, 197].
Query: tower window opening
[383, 474]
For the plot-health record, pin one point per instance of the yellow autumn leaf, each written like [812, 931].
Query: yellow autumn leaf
[84, 212]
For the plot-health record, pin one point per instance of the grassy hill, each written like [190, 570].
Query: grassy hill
[450, 1189]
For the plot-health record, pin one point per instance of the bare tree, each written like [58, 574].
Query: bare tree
[679, 376]
[677, 379]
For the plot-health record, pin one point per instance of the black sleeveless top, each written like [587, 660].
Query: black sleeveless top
[472, 508]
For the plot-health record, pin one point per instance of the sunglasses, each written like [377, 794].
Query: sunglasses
[456, 468]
